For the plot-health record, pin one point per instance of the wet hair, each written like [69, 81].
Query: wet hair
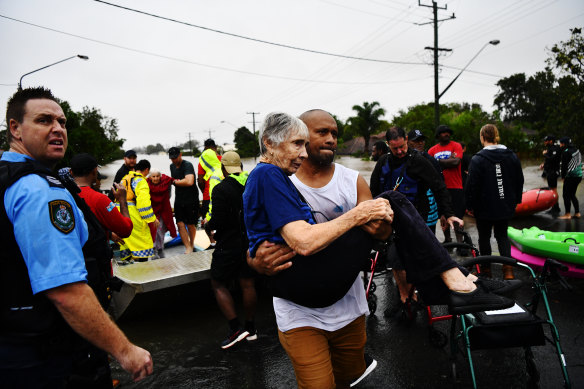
[394, 133]
[15, 107]
[381, 146]
[143, 165]
[490, 133]
[277, 127]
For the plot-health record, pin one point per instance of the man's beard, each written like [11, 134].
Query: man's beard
[322, 159]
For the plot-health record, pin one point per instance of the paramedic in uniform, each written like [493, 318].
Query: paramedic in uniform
[43, 235]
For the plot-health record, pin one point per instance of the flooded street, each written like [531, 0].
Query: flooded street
[182, 328]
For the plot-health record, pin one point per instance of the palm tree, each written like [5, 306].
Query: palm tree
[367, 120]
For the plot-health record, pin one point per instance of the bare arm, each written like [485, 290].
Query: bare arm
[79, 307]
[450, 162]
[189, 180]
[201, 183]
[307, 239]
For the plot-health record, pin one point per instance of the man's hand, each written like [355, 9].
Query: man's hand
[117, 239]
[137, 362]
[119, 192]
[271, 258]
[452, 221]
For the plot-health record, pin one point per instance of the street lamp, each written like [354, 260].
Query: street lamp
[494, 42]
[231, 124]
[83, 57]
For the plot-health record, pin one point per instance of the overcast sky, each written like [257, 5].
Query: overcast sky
[163, 80]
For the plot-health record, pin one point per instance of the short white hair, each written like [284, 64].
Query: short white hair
[279, 126]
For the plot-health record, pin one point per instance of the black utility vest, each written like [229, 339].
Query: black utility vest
[22, 314]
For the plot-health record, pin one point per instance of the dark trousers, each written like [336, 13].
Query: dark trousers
[484, 228]
[552, 180]
[424, 258]
[569, 195]
[30, 366]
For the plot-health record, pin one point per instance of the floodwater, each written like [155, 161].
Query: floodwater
[182, 328]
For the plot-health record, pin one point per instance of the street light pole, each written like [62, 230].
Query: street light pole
[494, 42]
[437, 95]
[83, 57]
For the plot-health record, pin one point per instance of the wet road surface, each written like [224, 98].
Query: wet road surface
[182, 328]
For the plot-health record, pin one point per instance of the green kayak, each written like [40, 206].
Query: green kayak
[565, 246]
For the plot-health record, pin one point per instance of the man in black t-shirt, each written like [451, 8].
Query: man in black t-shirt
[186, 199]
[128, 166]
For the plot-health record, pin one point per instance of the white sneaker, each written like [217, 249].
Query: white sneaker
[370, 365]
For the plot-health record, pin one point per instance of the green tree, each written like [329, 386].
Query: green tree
[511, 99]
[419, 117]
[568, 56]
[367, 121]
[89, 131]
[152, 149]
[245, 142]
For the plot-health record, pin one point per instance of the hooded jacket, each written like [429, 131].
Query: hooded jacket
[571, 162]
[494, 183]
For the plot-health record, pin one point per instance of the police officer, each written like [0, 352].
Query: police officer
[49, 313]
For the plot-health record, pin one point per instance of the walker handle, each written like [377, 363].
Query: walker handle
[485, 259]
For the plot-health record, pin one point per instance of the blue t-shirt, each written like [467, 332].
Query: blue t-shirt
[270, 201]
[49, 229]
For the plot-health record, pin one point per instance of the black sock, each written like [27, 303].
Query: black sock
[250, 326]
[234, 324]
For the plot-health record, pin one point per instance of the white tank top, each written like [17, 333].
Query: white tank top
[328, 202]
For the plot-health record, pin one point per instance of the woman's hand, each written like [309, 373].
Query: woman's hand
[378, 209]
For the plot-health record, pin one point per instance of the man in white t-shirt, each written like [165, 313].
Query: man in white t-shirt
[326, 345]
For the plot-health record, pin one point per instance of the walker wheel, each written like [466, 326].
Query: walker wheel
[372, 303]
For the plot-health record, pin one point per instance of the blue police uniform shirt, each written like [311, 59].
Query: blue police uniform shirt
[49, 229]
[270, 201]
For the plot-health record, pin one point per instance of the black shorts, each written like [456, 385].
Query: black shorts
[186, 213]
[457, 199]
[229, 265]
[204, 208]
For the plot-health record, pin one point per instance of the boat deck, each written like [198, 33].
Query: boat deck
[142, 277]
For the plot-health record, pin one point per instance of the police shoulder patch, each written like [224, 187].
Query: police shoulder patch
[54, 182]
[62, 215]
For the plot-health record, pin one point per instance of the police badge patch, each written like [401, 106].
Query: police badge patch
[62, 215]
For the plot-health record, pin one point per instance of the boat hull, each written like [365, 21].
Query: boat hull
[537, 262]
[536, 200]
[565, 246]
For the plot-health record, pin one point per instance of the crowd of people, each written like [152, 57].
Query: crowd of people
[302, 220]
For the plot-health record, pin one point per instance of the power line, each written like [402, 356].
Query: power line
[144, 52]
[259, 40]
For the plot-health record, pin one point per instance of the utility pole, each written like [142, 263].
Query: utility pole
[254, 132]
[436, 50]
[190, 144]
